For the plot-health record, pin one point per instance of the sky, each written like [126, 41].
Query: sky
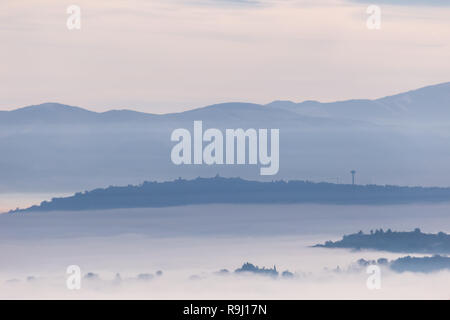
[164, 56]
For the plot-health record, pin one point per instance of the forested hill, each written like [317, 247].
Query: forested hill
[394, 241]
[236, 190]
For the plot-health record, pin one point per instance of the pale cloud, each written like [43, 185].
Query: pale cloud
[164, 56]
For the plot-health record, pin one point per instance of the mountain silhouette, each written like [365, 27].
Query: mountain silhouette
[236, 190]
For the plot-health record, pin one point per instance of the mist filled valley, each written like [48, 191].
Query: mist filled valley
[224, 150]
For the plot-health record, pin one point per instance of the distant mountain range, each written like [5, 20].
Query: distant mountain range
[425, 264]
[236, 190]
[402, 139]
[429, 104]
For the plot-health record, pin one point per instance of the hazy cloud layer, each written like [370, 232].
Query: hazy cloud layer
[163, 56]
